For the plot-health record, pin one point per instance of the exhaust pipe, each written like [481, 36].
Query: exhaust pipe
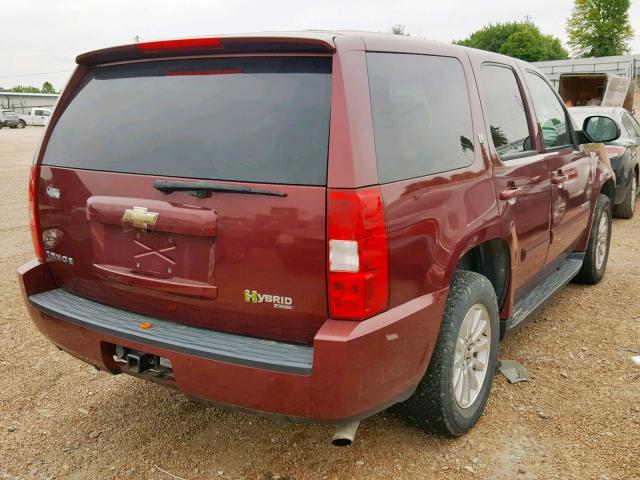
[345, 433]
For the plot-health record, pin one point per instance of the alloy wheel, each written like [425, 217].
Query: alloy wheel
[471, 358]
[602, 240]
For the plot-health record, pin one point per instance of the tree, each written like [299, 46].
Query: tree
[522, 40]
[25, 89]
[48, 88]
[399, 29]
[599, 28]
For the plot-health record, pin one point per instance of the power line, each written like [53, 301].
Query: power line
[34, 74]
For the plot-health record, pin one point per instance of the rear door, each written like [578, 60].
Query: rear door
[521, 173]
[571, 170]
[233, 236]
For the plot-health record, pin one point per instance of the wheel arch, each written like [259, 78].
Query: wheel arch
[609, 189]
[492, 259]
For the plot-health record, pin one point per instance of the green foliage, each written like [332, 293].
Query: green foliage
[522, 40]
[48, 88]
[599, 28]
[25, 89]
[499, 138]
[399, 29]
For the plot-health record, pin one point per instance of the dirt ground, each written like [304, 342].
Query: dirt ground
[578, 417]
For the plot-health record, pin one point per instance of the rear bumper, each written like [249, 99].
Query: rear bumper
[352, 370]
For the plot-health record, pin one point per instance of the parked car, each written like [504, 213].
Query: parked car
[8, 118]
[623, 153]
[407, 184]
[36, 116]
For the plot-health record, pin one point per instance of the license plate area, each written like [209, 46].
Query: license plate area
[155, 254]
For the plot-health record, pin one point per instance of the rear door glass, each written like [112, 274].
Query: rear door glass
[505, 111]
[238, 119]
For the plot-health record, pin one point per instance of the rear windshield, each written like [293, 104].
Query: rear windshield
[238, 119]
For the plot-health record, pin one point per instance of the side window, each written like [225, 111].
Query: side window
[505, 111]
[421, 115]
[38, 112]
[550, 113]
[630, 125]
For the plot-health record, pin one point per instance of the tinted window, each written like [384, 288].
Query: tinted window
[246, 119]
[505, 110]
[549, 112]
[421, 115]
[630, 125]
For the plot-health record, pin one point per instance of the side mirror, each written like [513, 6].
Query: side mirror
[600, 129]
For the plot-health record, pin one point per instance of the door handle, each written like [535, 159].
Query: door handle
[559, 179]
[511, 193]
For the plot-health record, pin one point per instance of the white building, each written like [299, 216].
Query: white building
[23, 102]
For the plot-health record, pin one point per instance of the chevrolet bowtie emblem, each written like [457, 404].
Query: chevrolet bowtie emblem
[139, 217]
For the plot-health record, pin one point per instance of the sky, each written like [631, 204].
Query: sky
[41, 38]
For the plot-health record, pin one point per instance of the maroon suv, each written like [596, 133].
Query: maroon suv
[313, 225]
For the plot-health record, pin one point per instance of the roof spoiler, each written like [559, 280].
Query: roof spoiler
[208, 46]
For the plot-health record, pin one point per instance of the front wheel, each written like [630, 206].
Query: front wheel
[452, 395]
[597, 253]
[22, 124]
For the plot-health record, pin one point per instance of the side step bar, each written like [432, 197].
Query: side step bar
[200, 342]
[542, 293]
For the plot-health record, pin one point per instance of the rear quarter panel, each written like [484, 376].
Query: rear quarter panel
[432, 221]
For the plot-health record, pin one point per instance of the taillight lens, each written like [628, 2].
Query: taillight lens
[358, 274]
[33, 212]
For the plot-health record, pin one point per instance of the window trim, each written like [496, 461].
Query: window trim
[518, 155]
[572, 133]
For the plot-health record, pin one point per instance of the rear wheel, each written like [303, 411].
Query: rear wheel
[452, 395]
[597, 254]
[22, 124]
[628, 206]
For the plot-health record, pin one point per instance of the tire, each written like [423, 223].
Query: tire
[435, 407]
[22, 124]
[628, 205]
[597, 254]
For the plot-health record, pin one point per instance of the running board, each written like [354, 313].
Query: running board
[542, 293]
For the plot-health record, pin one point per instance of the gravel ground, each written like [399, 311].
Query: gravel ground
[578, 417]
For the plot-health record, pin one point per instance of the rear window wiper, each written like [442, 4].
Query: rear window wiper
[204, 189]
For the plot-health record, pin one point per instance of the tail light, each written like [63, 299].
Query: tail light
[33, 212]
[358, 274]
[180, 44]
